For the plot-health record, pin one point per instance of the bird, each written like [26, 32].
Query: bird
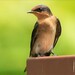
[46, 32]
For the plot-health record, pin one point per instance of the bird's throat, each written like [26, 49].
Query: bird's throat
[43, 20]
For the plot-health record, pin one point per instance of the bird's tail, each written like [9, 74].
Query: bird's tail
[25, 69]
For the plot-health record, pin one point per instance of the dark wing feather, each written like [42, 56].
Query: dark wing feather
[33, 36]
[58, 32]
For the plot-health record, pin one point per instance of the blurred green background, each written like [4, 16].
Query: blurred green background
[16, 27]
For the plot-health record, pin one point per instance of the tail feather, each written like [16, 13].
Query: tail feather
[25, 69]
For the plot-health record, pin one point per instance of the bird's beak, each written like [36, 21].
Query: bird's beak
[31, 11]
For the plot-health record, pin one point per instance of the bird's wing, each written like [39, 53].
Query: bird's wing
[58, 32]
[33, 36]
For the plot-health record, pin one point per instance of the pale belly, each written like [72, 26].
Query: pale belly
[43, 44]
[45, 39]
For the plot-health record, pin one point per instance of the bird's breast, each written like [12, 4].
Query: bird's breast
[46, 29]
[45, 35]
[45, 39]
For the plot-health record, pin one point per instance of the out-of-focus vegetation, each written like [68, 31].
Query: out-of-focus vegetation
[16, 27]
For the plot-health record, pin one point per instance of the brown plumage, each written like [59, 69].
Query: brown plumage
[46, 32]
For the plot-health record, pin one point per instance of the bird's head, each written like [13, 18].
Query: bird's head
[41, 11]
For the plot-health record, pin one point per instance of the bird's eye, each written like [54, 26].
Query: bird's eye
[38, 10]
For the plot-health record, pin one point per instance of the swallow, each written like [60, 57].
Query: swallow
[46, 32]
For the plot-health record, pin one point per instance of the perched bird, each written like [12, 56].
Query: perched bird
[46, 32]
